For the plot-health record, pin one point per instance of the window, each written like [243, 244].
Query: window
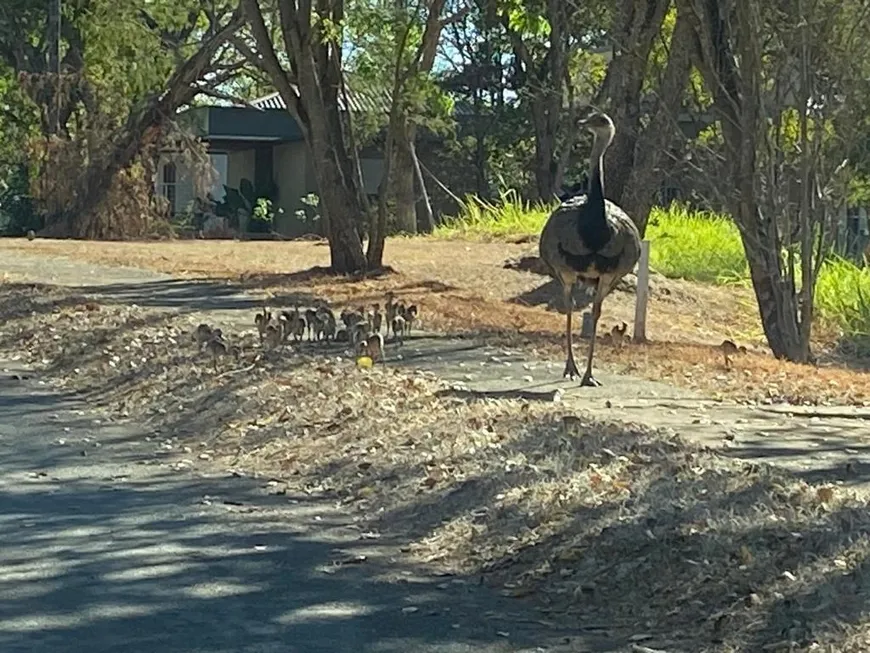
[169, 184]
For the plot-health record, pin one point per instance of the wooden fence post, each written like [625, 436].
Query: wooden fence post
[639, 334]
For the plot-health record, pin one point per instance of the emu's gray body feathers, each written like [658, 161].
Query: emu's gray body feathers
[571, 258]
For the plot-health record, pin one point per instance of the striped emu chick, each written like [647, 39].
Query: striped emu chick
[217, 347]
[372, 346]
[377, 318]
[619, 334]
[202, 334]
[390, 310]
[326, 324]
[310, 323]
[296, 324]
[410, 316]
[274, 335]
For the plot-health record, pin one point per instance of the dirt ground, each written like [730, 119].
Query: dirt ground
[600, 524]
[465, 288]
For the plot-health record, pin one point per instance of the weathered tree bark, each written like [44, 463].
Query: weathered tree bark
[638, 24]
[737, 100]
[654, 145]
[403, 179]
[546, 114]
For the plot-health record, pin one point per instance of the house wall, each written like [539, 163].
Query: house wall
[300, 181]
[240, 165]
[290, 164]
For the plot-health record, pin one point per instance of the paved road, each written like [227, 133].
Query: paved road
[105, 548]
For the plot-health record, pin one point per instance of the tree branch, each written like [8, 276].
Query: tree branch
[268, 62]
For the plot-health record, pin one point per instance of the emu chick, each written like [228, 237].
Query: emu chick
[372, 346]
[202, 334]
[729, 349]
[398, 326]
[618, 335]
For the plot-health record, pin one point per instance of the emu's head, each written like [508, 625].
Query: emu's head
[600, 125]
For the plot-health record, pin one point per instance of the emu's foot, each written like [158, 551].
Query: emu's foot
[589, 381]
[571, 371]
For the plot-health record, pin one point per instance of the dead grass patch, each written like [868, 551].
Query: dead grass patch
[598, 522]
[463, 287]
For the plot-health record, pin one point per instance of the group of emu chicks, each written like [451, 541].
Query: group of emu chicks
[361, 328]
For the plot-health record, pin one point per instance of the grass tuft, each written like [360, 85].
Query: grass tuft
[506, 218]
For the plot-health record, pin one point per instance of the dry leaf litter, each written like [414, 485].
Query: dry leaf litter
[597, 522]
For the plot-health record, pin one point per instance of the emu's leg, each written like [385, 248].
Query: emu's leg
[588, 379]
[571, 371]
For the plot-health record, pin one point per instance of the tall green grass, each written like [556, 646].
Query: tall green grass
[684, 244]
[508, 217]
[843, 299]
[696, 245]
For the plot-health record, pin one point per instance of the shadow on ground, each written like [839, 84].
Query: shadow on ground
[102, 549]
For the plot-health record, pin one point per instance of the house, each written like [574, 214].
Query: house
[260, 143]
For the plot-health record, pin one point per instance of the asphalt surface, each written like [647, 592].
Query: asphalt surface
[105, 546]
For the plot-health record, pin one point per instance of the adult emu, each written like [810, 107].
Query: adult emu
[591, 240]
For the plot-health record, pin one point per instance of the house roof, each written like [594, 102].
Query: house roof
[360, 102]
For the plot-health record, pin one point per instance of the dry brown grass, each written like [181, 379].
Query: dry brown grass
[464, 287]
[596, 521]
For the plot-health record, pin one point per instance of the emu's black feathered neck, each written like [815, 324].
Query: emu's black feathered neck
[592, 218]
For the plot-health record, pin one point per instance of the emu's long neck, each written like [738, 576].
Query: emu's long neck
[596, 170]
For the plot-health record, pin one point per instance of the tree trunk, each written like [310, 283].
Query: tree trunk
[428, 217]
[637, 26]
[544, 81]
[340, 205]
[545, 126]
[776, 301]
[403, 177]
[378, 230]
[653, 147]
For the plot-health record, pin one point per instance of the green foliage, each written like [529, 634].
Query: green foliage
[262, 216]
[384, 39]
[843, 299]
[311, 213]
[249, 205]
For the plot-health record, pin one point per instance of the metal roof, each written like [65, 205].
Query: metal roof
[378, 102]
